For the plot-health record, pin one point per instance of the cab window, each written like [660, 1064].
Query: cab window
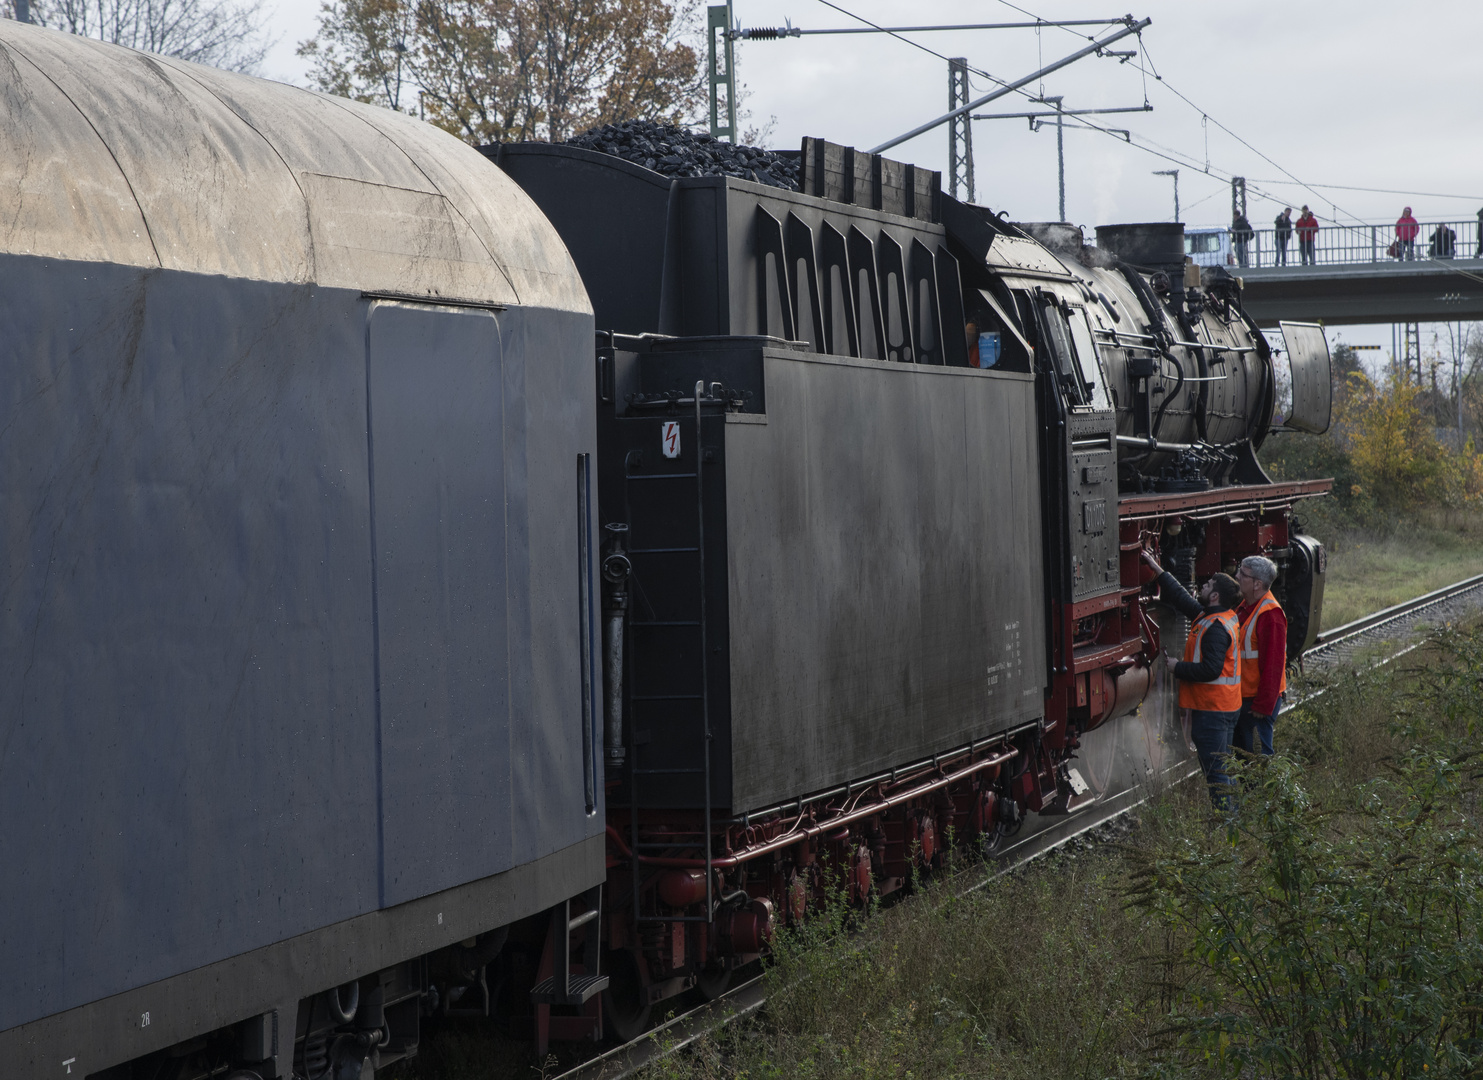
[1063, 355]
[1087, 359]
[994, 341]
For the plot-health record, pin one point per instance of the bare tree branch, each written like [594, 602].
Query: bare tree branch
[223, 33]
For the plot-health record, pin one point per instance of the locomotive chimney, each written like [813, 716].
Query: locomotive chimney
[1150, 246]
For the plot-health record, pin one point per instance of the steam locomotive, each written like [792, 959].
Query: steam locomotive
[875, 469]
[376, 647]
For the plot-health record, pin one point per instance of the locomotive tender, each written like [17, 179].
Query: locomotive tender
[361, 623]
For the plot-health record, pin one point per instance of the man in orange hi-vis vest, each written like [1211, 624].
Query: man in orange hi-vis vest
[1263, 638]
[1210, 673]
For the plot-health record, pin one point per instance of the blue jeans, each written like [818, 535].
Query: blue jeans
[1211, 734]
[1252, 729]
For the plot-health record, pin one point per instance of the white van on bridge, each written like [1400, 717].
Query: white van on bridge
[1209, 246]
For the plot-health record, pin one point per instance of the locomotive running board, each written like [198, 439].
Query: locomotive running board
[1214, 502]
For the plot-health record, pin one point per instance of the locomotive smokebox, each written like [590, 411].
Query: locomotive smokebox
[1153, 245]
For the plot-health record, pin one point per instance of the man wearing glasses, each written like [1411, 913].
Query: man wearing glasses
[1210, 673]
[1263, 640]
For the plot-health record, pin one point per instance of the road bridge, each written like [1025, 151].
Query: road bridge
[1425, 290]
[1361, 273]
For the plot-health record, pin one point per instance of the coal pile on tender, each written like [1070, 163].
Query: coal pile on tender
[675, 151]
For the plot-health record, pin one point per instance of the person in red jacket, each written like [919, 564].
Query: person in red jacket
[1307, 230]
[1262, 635]
[1407, 229]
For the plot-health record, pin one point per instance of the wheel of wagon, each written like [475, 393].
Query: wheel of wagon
[713, 981]
[625, 1003]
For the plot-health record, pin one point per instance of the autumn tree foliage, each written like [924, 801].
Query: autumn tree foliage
[1393, 442]
[509, 70]
[1391, 449]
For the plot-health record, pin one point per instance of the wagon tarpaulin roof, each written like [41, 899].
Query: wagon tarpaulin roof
[113, 155]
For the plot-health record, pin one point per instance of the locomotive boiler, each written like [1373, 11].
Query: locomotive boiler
[875, 470]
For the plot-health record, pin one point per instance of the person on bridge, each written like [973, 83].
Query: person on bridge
[1480, 234]
[1263, 638]
[1443, 242]
[1406, 231]
[1307, 237]
[1241, 234]
[1283, 230]
[1210, 673]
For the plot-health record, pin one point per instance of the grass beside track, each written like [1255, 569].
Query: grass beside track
[1369, 571]
[1131, 958]
[1135, 959]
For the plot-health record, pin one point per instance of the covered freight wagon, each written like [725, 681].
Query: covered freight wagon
[296, 468]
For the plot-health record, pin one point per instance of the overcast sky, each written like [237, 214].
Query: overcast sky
[1341, 92]
[1350, 93]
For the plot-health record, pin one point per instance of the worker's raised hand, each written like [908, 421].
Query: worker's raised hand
[1171, 661]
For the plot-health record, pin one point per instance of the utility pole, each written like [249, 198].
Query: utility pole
[722, 70]
[959, 132]
[1238, 197]
[1459, 342]
[23, 10]
[1174, 173]
[1406, 347]
[1058, 101]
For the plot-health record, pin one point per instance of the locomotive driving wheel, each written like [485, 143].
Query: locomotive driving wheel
[625, 1003]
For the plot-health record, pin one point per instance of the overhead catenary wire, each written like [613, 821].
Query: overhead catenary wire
[1165, 153]
[876, 27]
[1206, 117]
[1017, 88]
[1125, 135]
[1143, 143]
[772, 33]
[1175, 91]
[1096, 46]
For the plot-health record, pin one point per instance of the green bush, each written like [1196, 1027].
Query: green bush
[1318, 944]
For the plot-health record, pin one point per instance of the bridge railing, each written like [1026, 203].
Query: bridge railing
[1352, 244]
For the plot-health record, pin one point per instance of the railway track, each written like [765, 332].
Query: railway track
[1396, 625]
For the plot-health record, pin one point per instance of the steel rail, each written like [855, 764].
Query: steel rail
[1370, 622]
[1330, 650]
